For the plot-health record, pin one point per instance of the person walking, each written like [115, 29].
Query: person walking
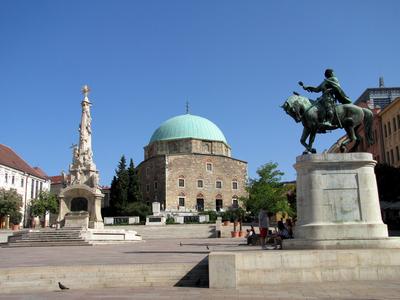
[263, 225]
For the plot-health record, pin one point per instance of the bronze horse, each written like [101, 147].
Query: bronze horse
[348, 116]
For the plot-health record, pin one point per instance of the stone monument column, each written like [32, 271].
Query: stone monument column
[83, 186]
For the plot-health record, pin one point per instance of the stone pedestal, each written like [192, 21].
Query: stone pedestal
[77, 219]
[337, 203]
[155, 208]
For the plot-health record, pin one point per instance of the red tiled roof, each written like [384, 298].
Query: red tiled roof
[10, 159]
[41, 172]
[58, 179]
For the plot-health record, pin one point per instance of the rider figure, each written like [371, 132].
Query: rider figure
[331, 92]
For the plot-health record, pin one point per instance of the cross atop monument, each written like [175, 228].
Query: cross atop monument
[85, 90]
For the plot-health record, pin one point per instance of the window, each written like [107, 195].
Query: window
[155, 185]
[22, 182]
[398, 121]
[147, 187]
[234, 185]
[173, 147]
[6, 178]
[209, 167]
[218, 204]
[181, 182]
[384, 126]
[181, 201]
[200, 204]
[391, 156]
[394, 124]
[235, 202]
[390, 128]
[200, 183]
[32, 187]
[206, 147]
[41, 186]
[37, 188]
[218, 184]
[397, 153]
[12, 180]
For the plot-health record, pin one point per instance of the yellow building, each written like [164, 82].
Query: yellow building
[390, 118]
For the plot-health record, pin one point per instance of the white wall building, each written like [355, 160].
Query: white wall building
[16, 174]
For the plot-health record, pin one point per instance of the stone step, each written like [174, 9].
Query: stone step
[104, 276]
[47, 238]
[47, 244]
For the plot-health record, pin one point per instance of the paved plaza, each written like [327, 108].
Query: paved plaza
[365, 290]
[170, 251]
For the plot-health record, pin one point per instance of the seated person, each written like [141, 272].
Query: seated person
[251, 236]
[280, 235]
[289, 226]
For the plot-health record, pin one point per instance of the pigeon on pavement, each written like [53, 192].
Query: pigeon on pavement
[62, 287]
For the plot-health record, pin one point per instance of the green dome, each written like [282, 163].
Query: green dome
[188, 126]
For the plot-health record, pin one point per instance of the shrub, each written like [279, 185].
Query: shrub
[16, 217]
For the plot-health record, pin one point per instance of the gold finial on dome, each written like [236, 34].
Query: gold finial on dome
[85, 90]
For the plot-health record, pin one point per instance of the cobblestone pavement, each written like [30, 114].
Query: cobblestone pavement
[366, 290]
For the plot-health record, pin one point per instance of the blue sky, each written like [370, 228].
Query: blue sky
[234, 61]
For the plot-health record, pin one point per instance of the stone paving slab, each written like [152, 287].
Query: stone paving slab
[151, 251]
[366, 290]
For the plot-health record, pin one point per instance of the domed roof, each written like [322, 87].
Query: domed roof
[188, 126]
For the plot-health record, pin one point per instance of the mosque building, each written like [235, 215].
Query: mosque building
[188, 167]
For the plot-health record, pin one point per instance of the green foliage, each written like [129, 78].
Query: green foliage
[267, 191]
[10, 202]
[133, 184]
[136, 209]
[15, 217]
[388, 178]
[124, 188]
[44, 202]
[170, 220]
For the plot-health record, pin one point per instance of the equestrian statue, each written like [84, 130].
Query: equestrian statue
[324, 114]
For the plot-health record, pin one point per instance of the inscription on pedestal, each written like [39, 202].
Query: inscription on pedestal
[341, 197]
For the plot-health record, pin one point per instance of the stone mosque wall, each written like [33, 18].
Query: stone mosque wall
[230, 173]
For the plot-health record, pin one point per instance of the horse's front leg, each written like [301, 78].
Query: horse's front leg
[303, 139]
[311, 140]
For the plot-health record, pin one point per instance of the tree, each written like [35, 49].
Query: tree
[119, 186]
[133, 184]
[10, 202]
[43, 203]
[124, 189]
[138, 209]
[267, 191]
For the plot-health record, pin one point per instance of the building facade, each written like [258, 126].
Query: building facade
[188, 167]
[16, 174]
[378, 97]
[390, 124]
[384, 103]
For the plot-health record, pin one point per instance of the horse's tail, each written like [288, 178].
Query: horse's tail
[368, 118]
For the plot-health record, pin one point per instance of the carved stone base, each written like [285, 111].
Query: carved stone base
[77, 219]
[337, 199]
